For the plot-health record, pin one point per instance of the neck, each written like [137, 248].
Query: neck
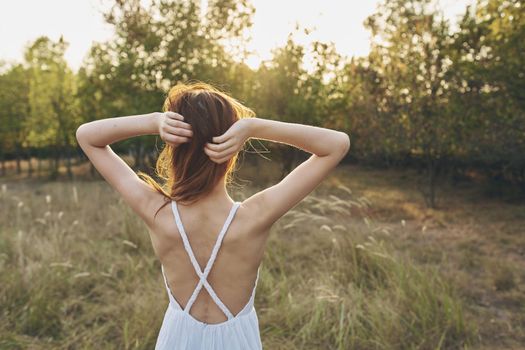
[219, 192]
[218, 196]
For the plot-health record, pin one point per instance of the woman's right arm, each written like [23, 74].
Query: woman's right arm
[328, 148]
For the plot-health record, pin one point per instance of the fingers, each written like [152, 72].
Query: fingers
[175, 131]
[173, 115]
[180, 132]
[177, 123]
[169, 130]
[221, 156]
[218, 155]
[174, 126]
[221, 146]
[221, 138]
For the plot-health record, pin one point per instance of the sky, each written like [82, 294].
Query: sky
[81, 23]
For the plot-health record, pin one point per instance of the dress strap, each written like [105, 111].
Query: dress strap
[203, 275]
[252, 297]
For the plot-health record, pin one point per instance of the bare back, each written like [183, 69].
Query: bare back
[235, 269]
[233, 273]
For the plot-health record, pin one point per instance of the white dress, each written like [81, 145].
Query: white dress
[181, 331]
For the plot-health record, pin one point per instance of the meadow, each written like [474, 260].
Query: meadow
[359, 264]
[365, 261]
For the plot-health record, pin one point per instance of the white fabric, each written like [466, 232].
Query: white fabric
[181, 331]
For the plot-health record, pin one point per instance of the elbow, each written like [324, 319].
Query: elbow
[343, 143]
[80, 135]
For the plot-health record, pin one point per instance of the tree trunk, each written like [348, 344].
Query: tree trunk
[68, 163]
[29, 164]
[18, 155]
[56, 163]
[39, 165]
[432, 172]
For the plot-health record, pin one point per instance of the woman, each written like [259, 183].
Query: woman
[210, 246]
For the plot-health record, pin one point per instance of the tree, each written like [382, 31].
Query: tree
[14, 111]
[410, 52]
[489, 81]
[156, 47]
[52, 113]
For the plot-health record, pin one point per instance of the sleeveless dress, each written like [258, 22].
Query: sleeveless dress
[181, 331]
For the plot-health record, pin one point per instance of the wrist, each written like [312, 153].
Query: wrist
[156, 118]
[251, 126]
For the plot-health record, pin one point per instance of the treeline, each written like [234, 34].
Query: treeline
[446, 98]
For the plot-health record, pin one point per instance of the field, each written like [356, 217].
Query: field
[359, 264]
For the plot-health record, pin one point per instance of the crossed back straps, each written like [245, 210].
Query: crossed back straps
[203, 275]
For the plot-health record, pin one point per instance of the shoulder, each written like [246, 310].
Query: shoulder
[153, 207]
[251, 214]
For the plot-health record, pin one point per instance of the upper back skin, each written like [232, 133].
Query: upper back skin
[235, 269]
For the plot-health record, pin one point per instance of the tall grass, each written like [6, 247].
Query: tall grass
[77, 271]
[329, 284]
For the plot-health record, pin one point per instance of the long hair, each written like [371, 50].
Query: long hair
[187, 173]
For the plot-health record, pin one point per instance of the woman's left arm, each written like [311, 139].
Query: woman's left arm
[95, 137]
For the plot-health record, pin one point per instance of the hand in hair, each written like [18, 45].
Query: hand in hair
[228, 144]
[173, 130]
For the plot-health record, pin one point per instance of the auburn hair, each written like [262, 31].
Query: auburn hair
[186, 172]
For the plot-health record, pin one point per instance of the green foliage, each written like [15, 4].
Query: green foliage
[446, 101]
[52, 115]
[14, 109]
[441, 100]
[488, 80]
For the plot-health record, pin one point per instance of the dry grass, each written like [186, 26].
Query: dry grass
[474, 238]
[342, 271]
